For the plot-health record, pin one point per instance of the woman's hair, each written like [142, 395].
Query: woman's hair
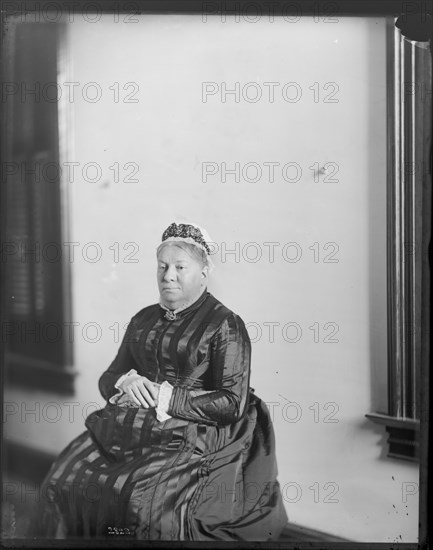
[195, 252]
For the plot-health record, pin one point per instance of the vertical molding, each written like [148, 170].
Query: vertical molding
[406, 219]
[424, 335]
[65, 145]
[415, 236]
[409, 136]
[394, 226]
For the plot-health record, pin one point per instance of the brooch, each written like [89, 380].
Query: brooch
[170, 315]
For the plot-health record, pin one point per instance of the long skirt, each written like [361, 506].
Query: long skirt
[130, 476]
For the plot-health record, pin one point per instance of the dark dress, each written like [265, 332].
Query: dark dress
[208, 473]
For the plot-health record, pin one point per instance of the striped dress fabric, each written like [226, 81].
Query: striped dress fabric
[209, 473]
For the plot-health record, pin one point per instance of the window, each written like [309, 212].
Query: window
[36, 291]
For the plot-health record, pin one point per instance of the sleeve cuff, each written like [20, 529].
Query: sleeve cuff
[113, 399]
[165, 391]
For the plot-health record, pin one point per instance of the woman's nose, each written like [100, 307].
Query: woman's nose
[170, 274]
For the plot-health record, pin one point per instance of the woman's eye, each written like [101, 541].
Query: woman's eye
[180, 267]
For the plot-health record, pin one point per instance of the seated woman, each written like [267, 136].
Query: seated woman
[183, 449]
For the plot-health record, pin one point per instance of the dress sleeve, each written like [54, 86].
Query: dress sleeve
[230, 358]
[123, 362]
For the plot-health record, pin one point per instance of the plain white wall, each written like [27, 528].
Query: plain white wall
[335, 475]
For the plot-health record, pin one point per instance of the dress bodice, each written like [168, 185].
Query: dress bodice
[205, 347]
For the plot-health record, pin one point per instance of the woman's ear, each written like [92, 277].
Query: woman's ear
[205, 272]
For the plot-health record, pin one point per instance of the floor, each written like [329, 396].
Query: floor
[18, 503]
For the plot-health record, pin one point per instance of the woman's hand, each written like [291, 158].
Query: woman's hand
[141, 390]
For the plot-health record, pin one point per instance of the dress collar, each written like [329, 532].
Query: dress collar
[173, 314]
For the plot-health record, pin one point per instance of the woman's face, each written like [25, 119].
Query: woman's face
[181, 278]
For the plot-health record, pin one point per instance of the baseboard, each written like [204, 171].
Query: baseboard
[298, 533]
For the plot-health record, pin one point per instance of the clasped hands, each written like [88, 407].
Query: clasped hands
[140, 390]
